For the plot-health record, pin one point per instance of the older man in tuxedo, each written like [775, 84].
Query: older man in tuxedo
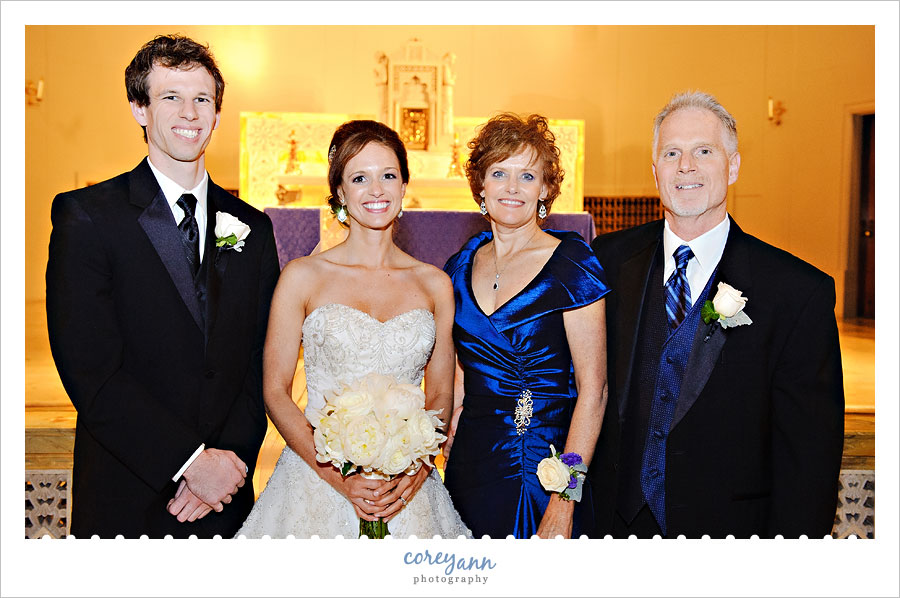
[158, 292]
[726, 401]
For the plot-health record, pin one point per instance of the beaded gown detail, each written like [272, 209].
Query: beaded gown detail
[340, 346]
[519, 389]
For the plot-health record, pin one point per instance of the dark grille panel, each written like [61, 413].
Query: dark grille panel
[615, 213]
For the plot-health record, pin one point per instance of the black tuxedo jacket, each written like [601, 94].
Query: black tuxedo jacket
[151, 372]
[756, 440]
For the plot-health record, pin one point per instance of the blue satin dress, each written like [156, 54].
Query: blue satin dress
[519, 352]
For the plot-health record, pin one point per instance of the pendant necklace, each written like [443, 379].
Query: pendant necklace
[497, 269]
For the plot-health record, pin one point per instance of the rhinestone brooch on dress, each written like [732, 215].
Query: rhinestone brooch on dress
[524, 410]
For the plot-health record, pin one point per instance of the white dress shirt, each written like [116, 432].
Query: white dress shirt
[173, 191]
[707, 248]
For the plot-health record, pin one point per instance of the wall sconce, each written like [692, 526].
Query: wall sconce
[776, 109]
[34, 92]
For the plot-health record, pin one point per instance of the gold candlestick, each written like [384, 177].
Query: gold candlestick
[455, 170]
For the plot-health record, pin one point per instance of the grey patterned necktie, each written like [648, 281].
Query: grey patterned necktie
[190, 231]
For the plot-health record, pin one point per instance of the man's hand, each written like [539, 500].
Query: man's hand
[186, 506]
[215, 476]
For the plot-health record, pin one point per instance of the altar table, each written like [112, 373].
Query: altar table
[431, 236]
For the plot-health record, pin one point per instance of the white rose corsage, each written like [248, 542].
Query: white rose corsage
[230, 232]
[562, 473]
[727, 307]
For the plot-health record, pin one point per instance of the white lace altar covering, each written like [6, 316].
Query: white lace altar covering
[341, 345]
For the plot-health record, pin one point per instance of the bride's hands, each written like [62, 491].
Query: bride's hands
[403, 486]
[361, 494]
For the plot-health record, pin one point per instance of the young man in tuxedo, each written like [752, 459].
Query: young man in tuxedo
[156, 328]
[713, 429]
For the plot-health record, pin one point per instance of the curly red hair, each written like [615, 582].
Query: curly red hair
[505, 135]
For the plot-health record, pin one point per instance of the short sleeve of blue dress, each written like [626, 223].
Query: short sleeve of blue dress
[519, 389]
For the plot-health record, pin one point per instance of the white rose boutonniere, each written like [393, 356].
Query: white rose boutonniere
[230, 232]
[727, 307]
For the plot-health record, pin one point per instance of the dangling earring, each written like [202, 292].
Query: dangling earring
[542, 211]
[342, 214]
[483, 208]
[400, 213]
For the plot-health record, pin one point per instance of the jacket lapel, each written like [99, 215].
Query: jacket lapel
[162, 231]
[217, 260]
[709, 340]
[633, 280]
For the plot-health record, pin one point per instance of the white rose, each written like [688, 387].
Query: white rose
[403, 399]
[424, 439]
[553, 474]
[327, 438]
[395, 458]
[227, 225]
[363, 440]
[314, 415]
[352, 404]
[376, 384]
[728, 300]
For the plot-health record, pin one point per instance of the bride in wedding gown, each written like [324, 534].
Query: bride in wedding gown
[363, 306]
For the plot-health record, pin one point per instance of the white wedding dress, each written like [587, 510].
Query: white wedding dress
[340, 346]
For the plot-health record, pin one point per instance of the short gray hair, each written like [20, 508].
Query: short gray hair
[698, 99]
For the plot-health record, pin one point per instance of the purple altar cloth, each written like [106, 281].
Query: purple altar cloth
[428, 235]
[296, 231]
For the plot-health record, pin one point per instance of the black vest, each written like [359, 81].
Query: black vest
[652, 334]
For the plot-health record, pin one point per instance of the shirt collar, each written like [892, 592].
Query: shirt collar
[173, 190]
[707, 248]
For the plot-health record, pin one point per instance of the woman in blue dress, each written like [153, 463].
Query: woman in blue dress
[530, 336]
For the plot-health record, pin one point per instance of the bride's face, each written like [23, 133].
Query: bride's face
[371, 186]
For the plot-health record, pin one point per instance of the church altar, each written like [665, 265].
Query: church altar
[284, 155]
[431, 236]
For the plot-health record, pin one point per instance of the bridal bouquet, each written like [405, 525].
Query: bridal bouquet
[379, 428]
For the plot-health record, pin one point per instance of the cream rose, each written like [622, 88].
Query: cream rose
[728, 300]
[364, 440]
[553, 474]
[227, 225]
[352, 404]
[327, 438]
[395, 458]
[403, 399]
[376, 384]
[423, 435]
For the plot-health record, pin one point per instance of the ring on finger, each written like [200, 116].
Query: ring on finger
[403, 500]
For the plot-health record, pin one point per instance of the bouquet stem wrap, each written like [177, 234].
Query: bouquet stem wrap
[376, 530]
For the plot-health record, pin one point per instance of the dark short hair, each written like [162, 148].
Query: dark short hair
[349, 139]
[174, 52]
[505, 135]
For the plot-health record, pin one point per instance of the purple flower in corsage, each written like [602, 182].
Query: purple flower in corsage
[562, 473]
[570, 459]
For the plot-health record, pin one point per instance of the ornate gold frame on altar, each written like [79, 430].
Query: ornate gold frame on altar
[284, 161]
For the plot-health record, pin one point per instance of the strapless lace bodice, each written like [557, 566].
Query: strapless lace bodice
[342, 344]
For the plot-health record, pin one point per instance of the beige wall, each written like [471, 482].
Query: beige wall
[793, 189]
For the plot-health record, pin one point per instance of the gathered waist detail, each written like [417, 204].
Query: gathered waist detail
[520, 412]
